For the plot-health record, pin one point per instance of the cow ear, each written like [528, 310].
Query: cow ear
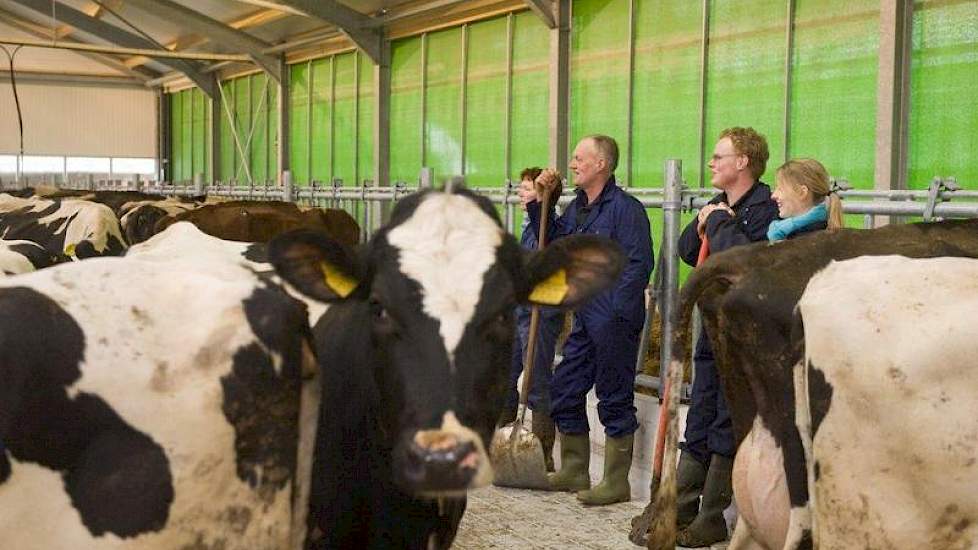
[314, 264]
[570, 271]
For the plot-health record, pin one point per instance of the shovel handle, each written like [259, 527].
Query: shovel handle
[531, 338]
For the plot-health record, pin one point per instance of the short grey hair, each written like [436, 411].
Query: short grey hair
[607, 148]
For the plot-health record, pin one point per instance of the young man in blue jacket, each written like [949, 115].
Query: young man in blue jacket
[602, 348]
[739, 215]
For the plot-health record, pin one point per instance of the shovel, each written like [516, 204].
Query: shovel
[517, 454]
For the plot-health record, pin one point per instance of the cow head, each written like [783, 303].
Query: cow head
[438, 286]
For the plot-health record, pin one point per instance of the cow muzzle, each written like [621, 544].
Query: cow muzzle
[444, 462]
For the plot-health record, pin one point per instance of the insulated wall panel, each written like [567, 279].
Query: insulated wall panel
[406, 98]
[745, 78]
[944, 93]
[833, 87]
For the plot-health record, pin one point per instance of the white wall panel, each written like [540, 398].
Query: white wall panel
[79, 120]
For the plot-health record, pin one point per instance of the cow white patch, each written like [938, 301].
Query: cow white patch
[12, 262]
[896, 341]
[446, 246]
[171, 319]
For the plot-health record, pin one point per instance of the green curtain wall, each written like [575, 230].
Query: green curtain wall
[449, 107]
[331, 103]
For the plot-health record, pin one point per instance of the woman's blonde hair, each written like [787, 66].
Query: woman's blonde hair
[811, 174]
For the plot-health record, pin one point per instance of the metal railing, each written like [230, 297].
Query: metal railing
[370, 205]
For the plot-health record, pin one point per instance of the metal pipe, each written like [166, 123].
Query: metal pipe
[148, 52]
[671, 214]
[630, 101]
[704, 59]
[509, 99]
[789, 40]
[463, 112]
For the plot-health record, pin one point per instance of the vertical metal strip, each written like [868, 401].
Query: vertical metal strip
[332, 118]
[630, 129]
[356, 117]
[268, 134]
[309, 84]
[704, 58]
[509, 97]
[424, 94]
[193, 171]
[251, 122]
[463, 84]
[789, 44]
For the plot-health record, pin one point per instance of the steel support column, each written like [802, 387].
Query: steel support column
[284, 127]
[381, 120]
[892, 95]
[560, 86]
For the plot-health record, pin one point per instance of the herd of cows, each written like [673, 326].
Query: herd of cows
[175, 374]
[196, 392]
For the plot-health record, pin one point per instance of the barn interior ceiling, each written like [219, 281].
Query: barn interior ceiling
[114, 38]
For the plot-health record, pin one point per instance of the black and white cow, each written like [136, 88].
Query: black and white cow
[893, 448]
[69, 228]
[153, 401]
[413, 353]
[748, 299]
[23, 257]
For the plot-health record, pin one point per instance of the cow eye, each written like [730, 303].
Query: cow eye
[378, 311]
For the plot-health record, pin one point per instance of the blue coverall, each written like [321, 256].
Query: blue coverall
[602, 348]
[709, 429]
[551, 321]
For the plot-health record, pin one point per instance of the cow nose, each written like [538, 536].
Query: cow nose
[444, 464]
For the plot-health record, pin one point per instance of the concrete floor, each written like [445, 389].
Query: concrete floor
[502, 518]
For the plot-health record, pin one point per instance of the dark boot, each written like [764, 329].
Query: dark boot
[614, 486]
[543, 428]
[709, 527]
[575, 459]
[690, 476]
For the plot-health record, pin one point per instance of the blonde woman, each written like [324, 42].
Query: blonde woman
[805, 200]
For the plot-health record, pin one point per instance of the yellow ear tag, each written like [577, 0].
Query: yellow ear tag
[552, 290]
[70, 250]
[337, 281]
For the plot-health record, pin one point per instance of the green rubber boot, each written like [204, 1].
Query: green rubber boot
[709, 527]
[614, 487]
[575, 459]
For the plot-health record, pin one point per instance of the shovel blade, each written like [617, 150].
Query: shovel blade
[517, 458]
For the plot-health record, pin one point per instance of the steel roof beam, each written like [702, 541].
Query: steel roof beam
[355, 25]
[544, 10]
[31, 28]
[110, 33]
[215, 31]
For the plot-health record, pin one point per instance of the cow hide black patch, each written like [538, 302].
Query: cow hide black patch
[261, 404]
[117, 478]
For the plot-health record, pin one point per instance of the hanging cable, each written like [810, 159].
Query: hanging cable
[20, 117]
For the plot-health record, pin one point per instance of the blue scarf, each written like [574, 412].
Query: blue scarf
[780, 230]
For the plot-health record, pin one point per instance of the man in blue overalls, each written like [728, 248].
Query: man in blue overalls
[602, 348]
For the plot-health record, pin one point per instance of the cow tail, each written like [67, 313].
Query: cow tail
[662, 534]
